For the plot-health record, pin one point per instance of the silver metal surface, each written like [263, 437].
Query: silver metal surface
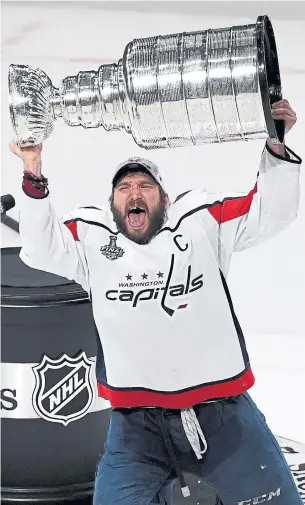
[167, 91]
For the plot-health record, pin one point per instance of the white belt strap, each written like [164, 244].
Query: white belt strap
[193, 432]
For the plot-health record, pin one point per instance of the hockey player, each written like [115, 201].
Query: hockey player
[171, 357]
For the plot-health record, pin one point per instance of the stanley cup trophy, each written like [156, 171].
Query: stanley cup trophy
[184, 89]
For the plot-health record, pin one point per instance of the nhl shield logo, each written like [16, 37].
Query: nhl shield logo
[64, 391]
[112, 251]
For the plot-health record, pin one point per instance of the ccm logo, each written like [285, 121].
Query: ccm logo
[261, 499]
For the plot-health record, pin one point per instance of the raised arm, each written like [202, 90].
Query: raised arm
[236, 222]
[48, 243]
[273, 202]
[245, 220]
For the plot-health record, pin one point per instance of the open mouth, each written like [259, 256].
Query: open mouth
[136, 217]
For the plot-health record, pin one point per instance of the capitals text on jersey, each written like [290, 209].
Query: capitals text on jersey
[136, 296]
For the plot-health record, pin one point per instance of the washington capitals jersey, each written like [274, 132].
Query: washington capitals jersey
[167, 332]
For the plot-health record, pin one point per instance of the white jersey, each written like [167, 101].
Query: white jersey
[168, 334]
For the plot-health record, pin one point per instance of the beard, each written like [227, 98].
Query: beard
[156, 218]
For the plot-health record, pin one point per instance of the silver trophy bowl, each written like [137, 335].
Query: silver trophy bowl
[184, 89]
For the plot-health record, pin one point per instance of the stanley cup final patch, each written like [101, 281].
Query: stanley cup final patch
[111, 250]
[64, 391]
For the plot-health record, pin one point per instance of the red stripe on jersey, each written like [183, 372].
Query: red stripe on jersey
[230, 209]
[177, 400]
[73, 229]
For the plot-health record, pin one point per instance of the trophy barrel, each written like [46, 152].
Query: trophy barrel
[201, 87]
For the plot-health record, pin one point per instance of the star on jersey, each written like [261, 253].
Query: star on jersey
[129, 277]
[144, 276]
[160, 274]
